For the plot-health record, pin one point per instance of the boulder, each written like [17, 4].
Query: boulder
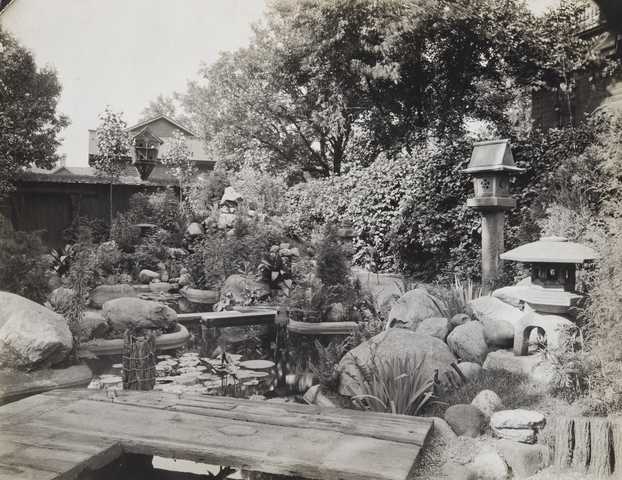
[538, 368]
[230, 195]
[524, 460]
[489, 465]
[488, 402]
[388, 345]
[470, 370]
[465, 420]
[61, 298]
[457, 320]
[412, 308]
[499, 320]
[31, 336]
[124, 313]
[518, 419]
[241, 288]
[104, 293]
[442, 431]
[468, 343]
[435, 327]
[194, 229]
[93, 325]
[147, 276]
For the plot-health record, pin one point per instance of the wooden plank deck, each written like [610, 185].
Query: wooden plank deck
[57, 434]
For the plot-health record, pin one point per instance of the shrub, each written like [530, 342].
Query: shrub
[604, 316]
[124, 232]
[206, 191]
[23, 265]
[332, 264]
[262, 191]
[205, 264]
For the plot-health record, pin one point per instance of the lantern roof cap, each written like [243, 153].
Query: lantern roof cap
[551, 250]
[492, 156]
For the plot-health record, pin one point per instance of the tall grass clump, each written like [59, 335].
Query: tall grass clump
[395, 386]
[455, 298]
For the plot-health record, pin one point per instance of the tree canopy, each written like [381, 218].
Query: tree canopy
[29, 123]
[326, 84]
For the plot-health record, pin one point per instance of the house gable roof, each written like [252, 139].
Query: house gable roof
[162, 117]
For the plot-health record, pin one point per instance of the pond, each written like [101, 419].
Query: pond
[189, 370]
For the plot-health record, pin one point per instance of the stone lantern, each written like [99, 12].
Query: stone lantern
[553, 263]
[549, 295]
[491, 167]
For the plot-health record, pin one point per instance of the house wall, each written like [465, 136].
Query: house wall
[51, 207]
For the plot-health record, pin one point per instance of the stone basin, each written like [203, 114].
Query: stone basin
[167, 341]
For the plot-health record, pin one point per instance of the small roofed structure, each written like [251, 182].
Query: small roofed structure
[491, 165]
[553, 262]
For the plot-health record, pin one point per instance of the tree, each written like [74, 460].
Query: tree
[29, 123]
[113, 146]
[325, 84]
[178, 159]
[169, 106]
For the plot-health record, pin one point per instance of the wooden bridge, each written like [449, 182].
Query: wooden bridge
[234, 318]
[59, 434]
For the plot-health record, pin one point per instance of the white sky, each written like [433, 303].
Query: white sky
[126, 52]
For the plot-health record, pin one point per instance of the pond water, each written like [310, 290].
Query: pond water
[254, 369]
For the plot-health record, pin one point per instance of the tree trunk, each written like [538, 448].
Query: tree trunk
[110, 200]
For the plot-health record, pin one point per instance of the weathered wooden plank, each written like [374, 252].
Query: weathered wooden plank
[321, 328]
[413, 430]
[257, 446]
[52, 451]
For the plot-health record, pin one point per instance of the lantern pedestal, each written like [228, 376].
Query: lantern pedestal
[492, 243]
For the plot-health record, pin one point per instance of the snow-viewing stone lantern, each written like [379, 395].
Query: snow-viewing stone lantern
[549, 295]
[491, 166]
[553, 264]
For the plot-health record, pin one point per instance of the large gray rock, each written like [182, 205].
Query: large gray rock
[467, 342]
[241, 288]
[457, 320]
[436, 327]
[488, 402]
[60, 299]
[489, 465]
[388, 345]
[465, 420]
[103, 293]
[147, 276]
[93, 325]
[470, 370]
[31, 336]
[537, 367]
[524, 460]
[134, 313]
[498, 318]
[413, 307]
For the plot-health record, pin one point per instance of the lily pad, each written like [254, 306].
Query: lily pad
[257, 364]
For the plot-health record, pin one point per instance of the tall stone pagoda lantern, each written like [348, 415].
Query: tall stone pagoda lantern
[491, 166]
